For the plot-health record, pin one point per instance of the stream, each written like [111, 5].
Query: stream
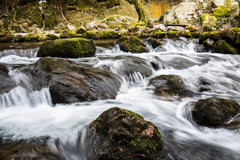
[26, 113]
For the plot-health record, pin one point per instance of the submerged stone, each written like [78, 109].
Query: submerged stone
[169, 85]
[6, 81]
[122, 134]
[214, 112]
[67, 48]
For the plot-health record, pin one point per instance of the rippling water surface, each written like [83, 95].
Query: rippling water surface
[27, 114]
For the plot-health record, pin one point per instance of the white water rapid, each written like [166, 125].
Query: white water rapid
[27, 114]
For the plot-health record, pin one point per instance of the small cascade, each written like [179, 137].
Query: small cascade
[20, 96]
[29, 53]
[27, 112]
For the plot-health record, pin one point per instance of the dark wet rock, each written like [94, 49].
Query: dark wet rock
[67, 48]
[121, 134]
[154, 42]
[234, 123]
[209, 43]
[70, 82]
[81, 30]
[214, 112]
[228, 35]
[169, 85]
[204, 84]
[204, 81]
[36, 148]
[6, 81]
[222, 46]
[131, 64]
[6, 36]
[200, 48]
[132, 44]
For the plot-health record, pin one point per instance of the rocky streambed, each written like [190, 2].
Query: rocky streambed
[93, 107]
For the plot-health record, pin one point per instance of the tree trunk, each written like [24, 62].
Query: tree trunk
[238, 19]
[5, 14]
[142, 16]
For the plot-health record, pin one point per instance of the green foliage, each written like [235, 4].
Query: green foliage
[222, 11]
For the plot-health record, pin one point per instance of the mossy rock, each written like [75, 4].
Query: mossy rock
[105, 34]
[172, 34]
[154, 42]
[52, 37]
[186, 34]
[68, 48]
[122, 134]
[203, 36]
[158, 34]
[191, 28]
[222, 46]
[214, 112]
[132, 44]
[228, 35]
[209, 43]
[237, 39]
[68, 34]
[169, 85]
[6, 36]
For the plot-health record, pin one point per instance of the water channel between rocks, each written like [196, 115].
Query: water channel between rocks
[26, 114]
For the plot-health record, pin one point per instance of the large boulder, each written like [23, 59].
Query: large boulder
[209, 13]
[121, 134]
[182, 13]
[6, 81]
[128, 65]
[67, 48]
[35, 148]
[70, 82]
[132, 44]
[222, 46]
[169, 85]
[214, 112]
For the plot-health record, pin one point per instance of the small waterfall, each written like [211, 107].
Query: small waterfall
[27, 112]
[20, 96]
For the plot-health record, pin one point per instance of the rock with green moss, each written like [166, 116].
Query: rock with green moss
[122, 134]
[81, 30]
[68, 48]
[68, 34]
[6, 36]
[154, 42]
[132, 44]
[237, 39]
[228, 35]
[222, 46]
[158, 34]
[169, 85]
[186, 33]
[105, 34]
[203, 36]
[208, 21]
[191, 28]
[52, 37]
[209, 43]
[214, 112]
[172, 34]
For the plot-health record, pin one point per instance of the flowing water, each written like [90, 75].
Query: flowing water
[26, 114]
